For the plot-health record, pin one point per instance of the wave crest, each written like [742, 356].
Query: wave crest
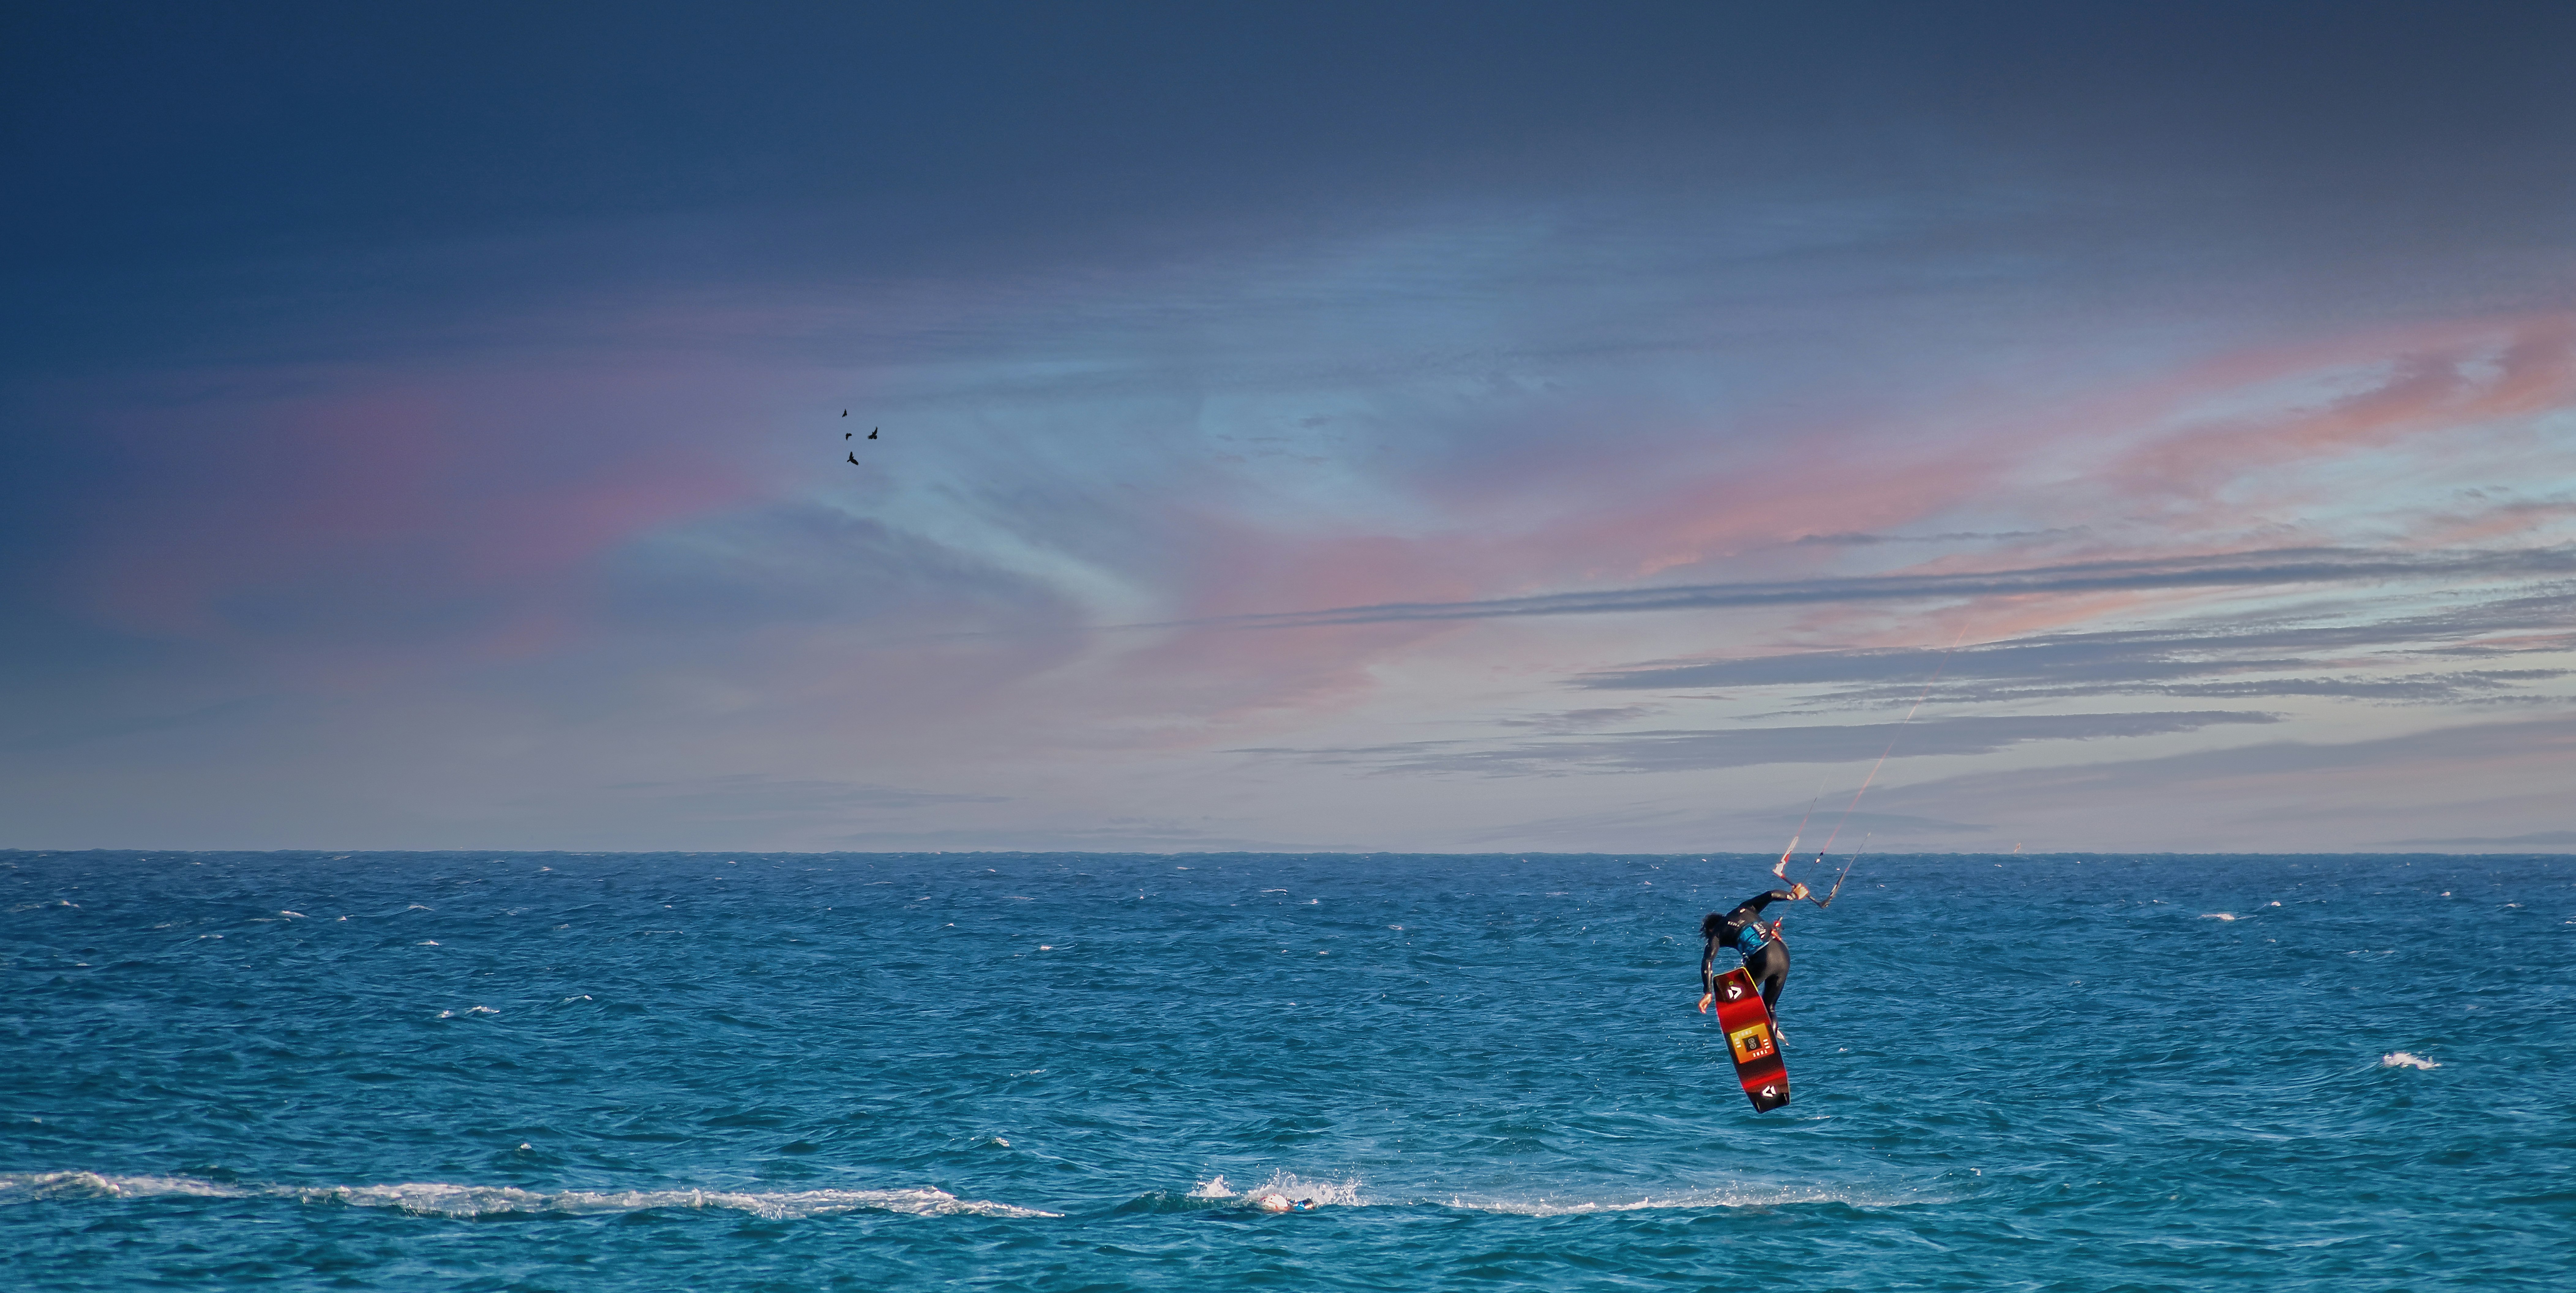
[1551, 1206]
[441, 1199]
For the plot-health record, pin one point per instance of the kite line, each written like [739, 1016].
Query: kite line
[1781, 868]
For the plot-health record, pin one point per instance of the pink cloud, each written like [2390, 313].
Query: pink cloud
[2436, 380]
[2147, 448]
[467, 489]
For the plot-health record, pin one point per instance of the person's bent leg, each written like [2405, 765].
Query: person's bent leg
[1770, 968]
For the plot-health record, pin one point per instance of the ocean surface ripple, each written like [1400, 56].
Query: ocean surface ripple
[1085, 1071]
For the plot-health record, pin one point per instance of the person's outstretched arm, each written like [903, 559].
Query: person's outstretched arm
[1753, 906]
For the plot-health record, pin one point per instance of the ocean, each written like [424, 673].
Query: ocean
[743, 1071]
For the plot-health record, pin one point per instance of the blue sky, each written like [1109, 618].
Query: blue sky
[1424, 427]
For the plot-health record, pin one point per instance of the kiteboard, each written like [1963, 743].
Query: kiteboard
[1751, 1040]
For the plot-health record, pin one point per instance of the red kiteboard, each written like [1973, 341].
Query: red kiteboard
[1751, 1040]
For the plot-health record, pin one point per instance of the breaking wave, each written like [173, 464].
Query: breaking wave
[439, 1199]
[1688, 1200]
[1347, 1193]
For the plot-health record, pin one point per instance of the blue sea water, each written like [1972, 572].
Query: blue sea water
[1060, 1072]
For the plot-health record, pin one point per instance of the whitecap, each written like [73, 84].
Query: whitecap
[1297, 1189]
[2218, 915]
[1211, 1188]
[2406, 1060]
[443, 1200]
[1556, 1206]
[440, 1199]
[20, 1186]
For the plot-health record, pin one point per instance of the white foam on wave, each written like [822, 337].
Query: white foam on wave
[20, 1187]
[440, 1199]
[1688, 1200]
[2218, 915]
[1294, 1188]
[2406, 1060]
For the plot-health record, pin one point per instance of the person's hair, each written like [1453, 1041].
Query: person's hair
[1711, 925]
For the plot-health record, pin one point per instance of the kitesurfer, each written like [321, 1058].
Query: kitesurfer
[1765, 956]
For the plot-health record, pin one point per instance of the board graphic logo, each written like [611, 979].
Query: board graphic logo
[1734, 991]
[1751, 1042]
[1770, 1091]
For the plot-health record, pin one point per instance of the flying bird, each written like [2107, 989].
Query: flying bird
[845, 413]
[872, 433]
[845, 435]
[854, 460]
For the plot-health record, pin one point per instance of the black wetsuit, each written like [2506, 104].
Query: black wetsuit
[1741, 930]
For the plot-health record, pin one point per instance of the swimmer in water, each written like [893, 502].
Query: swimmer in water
[1764, 954]
[1281, 1203]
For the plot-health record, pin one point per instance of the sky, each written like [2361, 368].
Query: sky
[1431, 427]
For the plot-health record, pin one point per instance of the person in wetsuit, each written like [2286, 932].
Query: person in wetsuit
[1741, 930]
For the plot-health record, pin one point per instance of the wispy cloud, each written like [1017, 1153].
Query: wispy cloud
[1578, 720]
[2382, 659]
[1690, 751]
[2273, 568]
[1487, 410]
[1957, 536]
